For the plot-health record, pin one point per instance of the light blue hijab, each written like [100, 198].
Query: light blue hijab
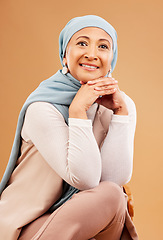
[58, 90]
[78, 23]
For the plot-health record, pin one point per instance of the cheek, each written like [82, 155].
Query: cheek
[72, 55]
[108, 59]
[111, 56]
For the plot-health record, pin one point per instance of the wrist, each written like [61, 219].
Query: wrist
[121, 110]
[77, 113]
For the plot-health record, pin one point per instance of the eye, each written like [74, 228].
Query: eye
[81, 43]
[103, 46]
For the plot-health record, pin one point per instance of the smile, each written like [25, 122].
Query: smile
[89, 66]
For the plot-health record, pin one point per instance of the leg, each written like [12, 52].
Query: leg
[98, 212]
[31, 229]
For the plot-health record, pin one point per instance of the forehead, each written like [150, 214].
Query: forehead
[95, 32]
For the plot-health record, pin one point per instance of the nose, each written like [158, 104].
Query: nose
[91, 53]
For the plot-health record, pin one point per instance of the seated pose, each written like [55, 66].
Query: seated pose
[73, 148]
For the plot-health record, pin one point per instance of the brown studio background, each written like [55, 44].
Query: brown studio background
[29, 54]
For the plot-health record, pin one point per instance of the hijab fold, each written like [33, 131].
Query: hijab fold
[58, 90]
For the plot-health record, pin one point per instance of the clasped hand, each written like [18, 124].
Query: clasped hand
[104, 91]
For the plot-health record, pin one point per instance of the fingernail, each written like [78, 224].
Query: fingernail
[90, 82]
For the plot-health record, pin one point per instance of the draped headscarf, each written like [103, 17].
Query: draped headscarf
[78, 23]
[58, 90]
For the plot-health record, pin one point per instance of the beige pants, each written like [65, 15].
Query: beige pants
[97, 213]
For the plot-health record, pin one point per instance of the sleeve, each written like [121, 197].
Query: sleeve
[71, 150]
[117, 150]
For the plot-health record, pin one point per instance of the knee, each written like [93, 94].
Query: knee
[112, 196]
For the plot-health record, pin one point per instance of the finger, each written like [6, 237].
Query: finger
[100, 79]
[106, 87]
[105, 84]
[106, 80]
[106, 92]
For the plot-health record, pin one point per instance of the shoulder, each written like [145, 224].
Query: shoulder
[42, 109]
[39, 117]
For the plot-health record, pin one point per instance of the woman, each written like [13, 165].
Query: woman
[74, 141]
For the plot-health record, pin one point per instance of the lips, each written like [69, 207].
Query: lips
[89, 66]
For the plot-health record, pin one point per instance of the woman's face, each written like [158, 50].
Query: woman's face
[89, 54]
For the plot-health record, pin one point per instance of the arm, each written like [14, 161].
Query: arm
[117, 150]
[71, 150]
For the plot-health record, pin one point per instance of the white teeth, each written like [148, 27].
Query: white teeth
[88, 66]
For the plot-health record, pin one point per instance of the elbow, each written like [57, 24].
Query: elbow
[124, 180]
[125, 176]
[88, 185]
[85, 182]
[87, 173]
[126, 169]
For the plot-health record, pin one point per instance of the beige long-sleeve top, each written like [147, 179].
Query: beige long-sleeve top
[82, 153]
[72, 151]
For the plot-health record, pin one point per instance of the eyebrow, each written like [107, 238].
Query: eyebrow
[101, 39]
[82, 37]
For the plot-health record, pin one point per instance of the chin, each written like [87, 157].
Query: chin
[87, 78]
